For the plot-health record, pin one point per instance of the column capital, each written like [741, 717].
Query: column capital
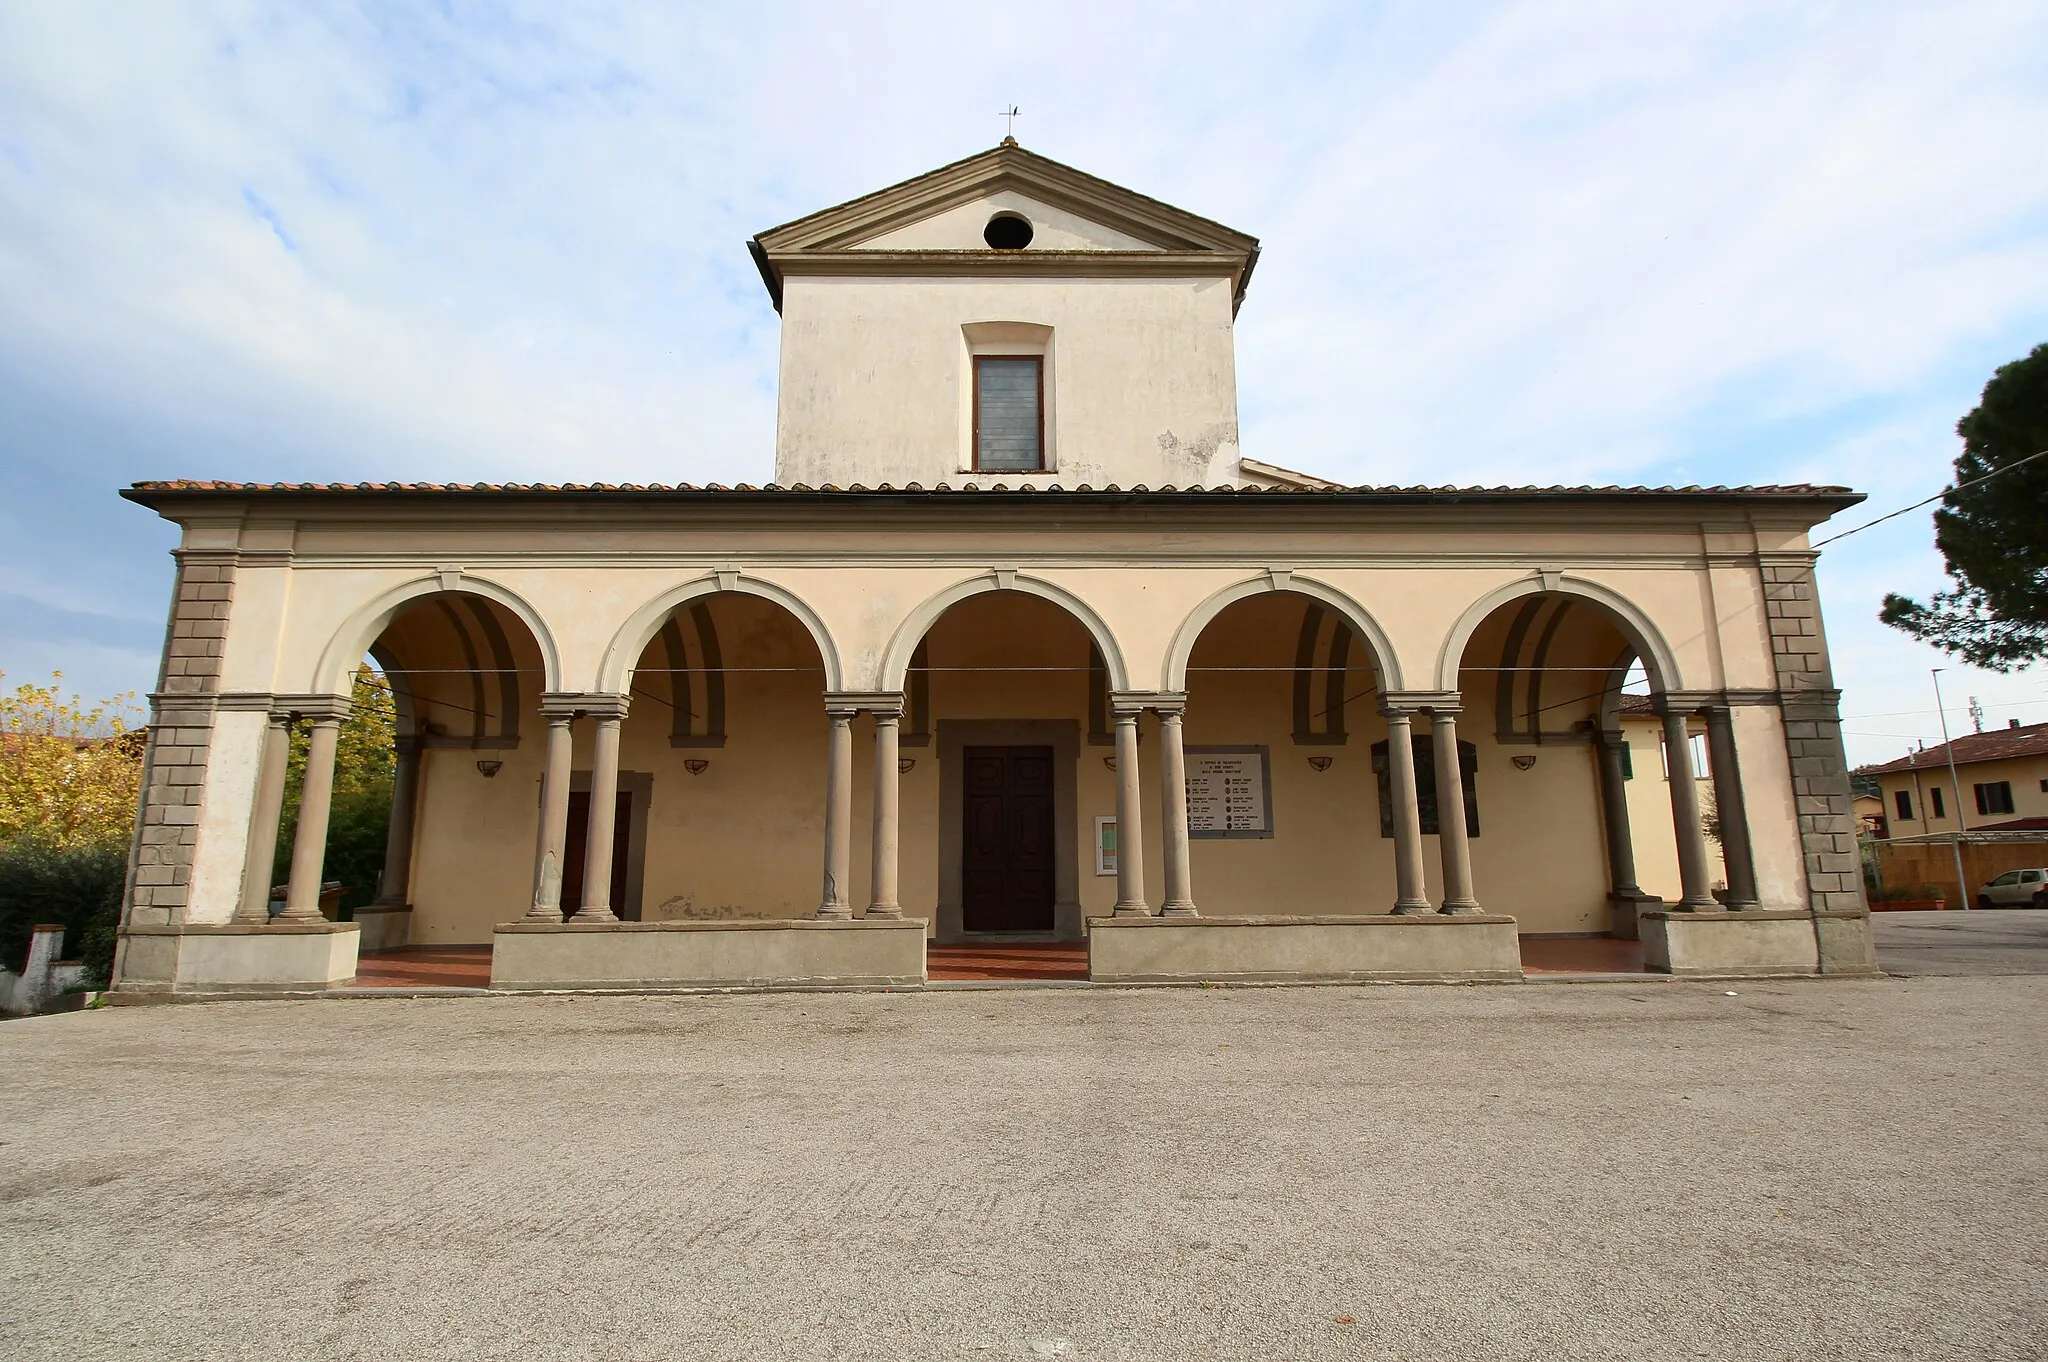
[574, 703]
[1685, 701]
[312, 707]
[1138, 701]
[1413, 701]
[876, 702]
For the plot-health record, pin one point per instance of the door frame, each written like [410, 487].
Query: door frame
[639, 784]
[954, 737]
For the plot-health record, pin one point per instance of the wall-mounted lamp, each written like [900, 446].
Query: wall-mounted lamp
[696, 766]
[904, 765]
[1322, 763]
[1524, 762]
[490, 766]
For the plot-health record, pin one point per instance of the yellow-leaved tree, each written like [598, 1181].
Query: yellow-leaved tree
[70, 773]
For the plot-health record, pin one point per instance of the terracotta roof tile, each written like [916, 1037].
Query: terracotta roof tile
[2000, 744]
[980, 486]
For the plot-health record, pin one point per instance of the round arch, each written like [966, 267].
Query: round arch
[896, 661]
[623, 654]
[1648, 641]
[1384, 660]
[354, 638]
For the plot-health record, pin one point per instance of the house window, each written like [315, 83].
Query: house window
[1697, 747]
[1904, 800]
[1934, 802]
[1994, 797]
[1009, 413]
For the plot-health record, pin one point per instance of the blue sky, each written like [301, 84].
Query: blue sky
[1504, 243]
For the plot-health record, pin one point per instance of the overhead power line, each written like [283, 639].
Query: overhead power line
[1946, 491]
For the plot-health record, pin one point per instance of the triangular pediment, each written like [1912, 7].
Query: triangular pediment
[942, 215]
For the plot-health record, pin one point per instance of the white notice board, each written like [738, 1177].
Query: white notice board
[1230, 792]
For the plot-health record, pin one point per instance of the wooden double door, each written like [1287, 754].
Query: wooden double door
[1007, 882]
[578, 846]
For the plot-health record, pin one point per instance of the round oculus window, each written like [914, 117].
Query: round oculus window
[1007, 232]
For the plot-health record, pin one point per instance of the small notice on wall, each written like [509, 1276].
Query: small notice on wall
[1229, 792]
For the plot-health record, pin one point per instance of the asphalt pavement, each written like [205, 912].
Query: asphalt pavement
[1972, 941]
[1791, 1169]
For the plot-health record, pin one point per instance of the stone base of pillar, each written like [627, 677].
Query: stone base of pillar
[236, 958]
[881, 914]
[1729, 944]
[594, 915]
[1461, 908]
[1182, 909]
[1130, 910]
[1413, 907]
[834, 912]
[1846, 944]
[793, 953]
[1366, 949]
[1626, 908]
[384, 925]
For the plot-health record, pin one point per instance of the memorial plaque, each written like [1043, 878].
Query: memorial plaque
[1230, 793]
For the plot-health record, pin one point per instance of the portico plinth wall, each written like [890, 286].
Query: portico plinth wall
[721, 668]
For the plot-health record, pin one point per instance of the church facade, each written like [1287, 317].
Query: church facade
[1017, 646]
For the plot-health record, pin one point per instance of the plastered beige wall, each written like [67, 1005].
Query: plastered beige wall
[875, 378]
[960, 228]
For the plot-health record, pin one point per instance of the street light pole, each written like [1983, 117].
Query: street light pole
[1955, 783]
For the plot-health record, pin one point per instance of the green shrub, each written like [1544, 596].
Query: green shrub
[77, 888]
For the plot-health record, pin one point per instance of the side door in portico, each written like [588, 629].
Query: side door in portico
[578, 845]
[1007, 847]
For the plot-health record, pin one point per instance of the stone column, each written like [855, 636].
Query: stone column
[309, 844]
[1621, 847]
[552, 846]
[396, 888]
[1450, 812]
[1130, 856]
[1729, 809]
[603, 822]
[887, 834]
[1173, 817]
[1685, 819]
[1411, 890]
[260, 864]
[838, 813]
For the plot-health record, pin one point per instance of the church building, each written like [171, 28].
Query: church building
[1019, 646]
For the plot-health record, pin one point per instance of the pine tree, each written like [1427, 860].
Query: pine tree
[1994, 536]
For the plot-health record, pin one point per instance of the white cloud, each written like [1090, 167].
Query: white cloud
[1518, 242]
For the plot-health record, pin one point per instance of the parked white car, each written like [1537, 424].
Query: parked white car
[2016, 889]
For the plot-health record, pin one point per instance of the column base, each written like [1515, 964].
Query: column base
[1709, 904]
[835, 912]
[384, 925]
[599, 914]
[1462, 908]
[540, 913]
[885, 912]
[1412, 907]
[1626, 906]
[1139, 909]
[1180, 909]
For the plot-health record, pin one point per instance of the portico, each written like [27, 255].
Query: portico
[1216, 719]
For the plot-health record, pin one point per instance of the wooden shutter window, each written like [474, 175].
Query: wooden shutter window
[1009, 413]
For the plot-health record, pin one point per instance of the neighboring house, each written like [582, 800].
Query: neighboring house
[2002, 777]
[1870, 815]
[1011, 537]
